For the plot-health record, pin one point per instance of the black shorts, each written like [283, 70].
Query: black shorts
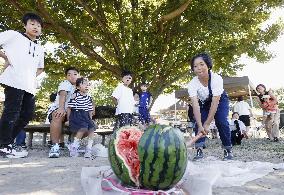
[245, 119]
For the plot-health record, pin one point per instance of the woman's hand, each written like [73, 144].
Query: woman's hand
[206, 127]
[202, 130]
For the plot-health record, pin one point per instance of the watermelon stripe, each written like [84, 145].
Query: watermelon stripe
[182, 162]
[153, 162]
[171, 162]
[145, 155]
[176, 168]
[155, 180]
[165, 165]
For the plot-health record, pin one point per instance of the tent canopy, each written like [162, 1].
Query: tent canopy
[234, 86]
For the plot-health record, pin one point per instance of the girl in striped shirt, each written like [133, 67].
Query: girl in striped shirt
[79, 115]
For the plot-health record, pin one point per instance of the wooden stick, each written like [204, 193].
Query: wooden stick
[194, 139]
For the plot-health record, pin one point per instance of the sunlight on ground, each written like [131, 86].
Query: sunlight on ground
[58, 170]
[4, 161]
[41, 192]
[24, 165]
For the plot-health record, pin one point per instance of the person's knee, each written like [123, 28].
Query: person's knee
[56, 124]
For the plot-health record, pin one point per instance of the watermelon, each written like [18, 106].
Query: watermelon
[155, 159]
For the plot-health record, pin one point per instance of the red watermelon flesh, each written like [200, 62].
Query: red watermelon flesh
[127, 147]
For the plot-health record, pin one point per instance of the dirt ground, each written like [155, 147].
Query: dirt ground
[38, 174]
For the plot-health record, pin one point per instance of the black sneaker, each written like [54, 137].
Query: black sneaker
[62, 145]
[276, 139]
[9, 151]
[228, 155]
[199, 154]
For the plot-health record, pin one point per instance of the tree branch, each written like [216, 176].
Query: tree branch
[103, 26]
[172, 15]
[98, 42]
[117, 7]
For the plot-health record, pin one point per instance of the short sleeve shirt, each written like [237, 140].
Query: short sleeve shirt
[125, 99]
[196, 89]
[233, 127]
[81, 102]
[25, 57]
[242, 108]
[63, 86]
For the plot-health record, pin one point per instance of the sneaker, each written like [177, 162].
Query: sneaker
[13, 152]
[74, 151]
[199, 154]
[62, 145]
[24, 146]
[88, 153]
[54, 152]
[276, 139]
[20, 148]
[228, 155]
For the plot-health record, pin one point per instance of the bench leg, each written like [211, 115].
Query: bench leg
[30, 140]
[44, 139]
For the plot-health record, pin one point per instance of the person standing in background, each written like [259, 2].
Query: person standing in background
[245, 113]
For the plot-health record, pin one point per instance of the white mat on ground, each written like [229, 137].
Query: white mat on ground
[200, 177]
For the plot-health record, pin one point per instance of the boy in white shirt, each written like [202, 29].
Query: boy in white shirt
[58, 110]
[237, 128]
[123, 98]
[244, 111]
[24, 60]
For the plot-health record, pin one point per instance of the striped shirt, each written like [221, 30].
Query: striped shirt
[81, 102]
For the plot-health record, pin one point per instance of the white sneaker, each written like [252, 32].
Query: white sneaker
[13, 152]
[88, 153]
[54, 152]
[74, 151]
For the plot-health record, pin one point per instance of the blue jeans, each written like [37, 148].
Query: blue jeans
[221, 122]
[21, 137]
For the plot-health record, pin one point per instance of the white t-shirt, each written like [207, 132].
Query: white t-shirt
[125, 99]
[196, 89]
[63, 86]
[242, 108]
[233, 126]
[25, 57]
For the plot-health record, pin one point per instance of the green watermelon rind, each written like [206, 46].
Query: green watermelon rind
[118, 164]
[160, 171]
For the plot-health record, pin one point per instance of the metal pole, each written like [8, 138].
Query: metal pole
[250, 97]
[175, 107]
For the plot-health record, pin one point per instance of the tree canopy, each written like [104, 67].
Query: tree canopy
[152, 38]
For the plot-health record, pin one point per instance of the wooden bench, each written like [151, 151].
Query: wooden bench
[45, 128]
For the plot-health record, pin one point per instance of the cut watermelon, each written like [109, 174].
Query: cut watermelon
[127, 149]
[153, 160]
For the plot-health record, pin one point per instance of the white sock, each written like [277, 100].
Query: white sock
[56, 146]
[90, 143]
[76, 142]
